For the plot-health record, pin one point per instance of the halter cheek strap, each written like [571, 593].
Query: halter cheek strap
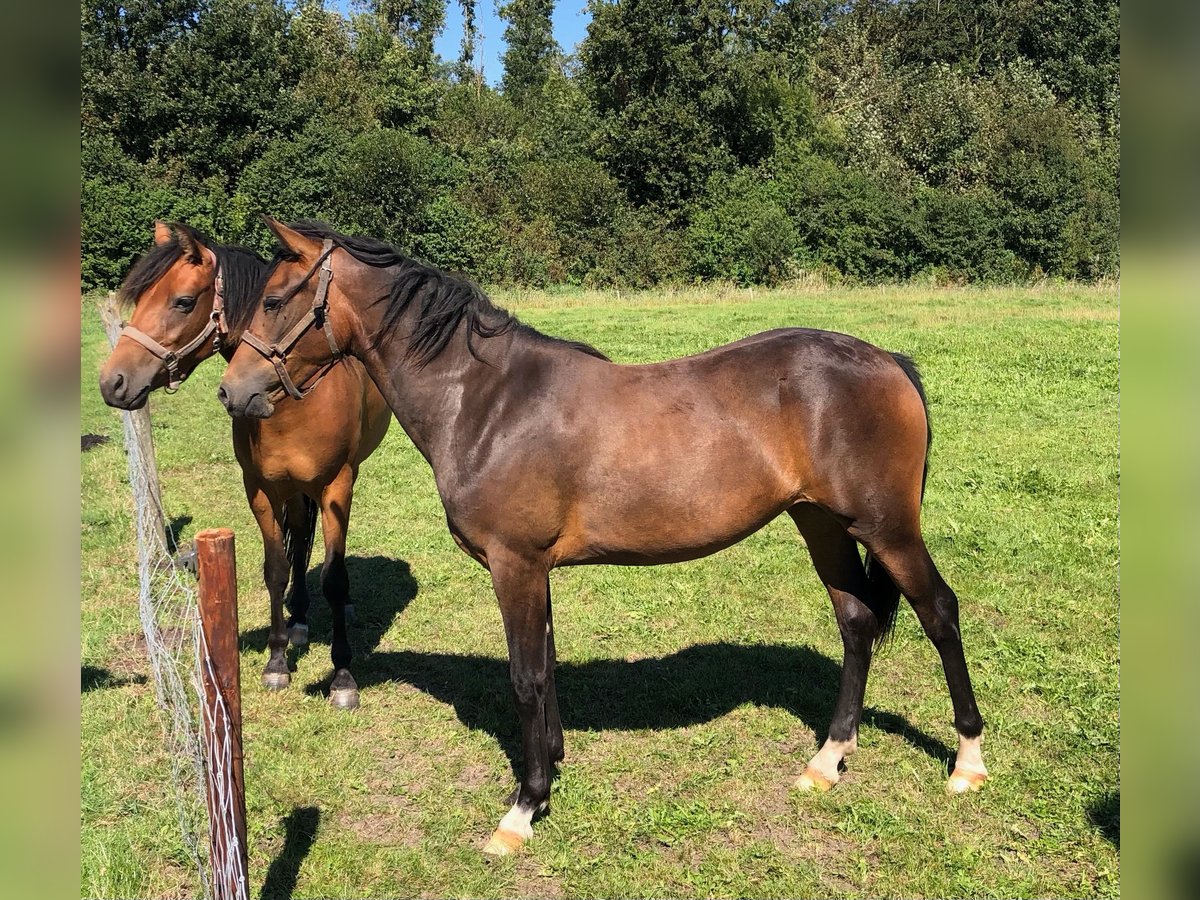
[215, 329]
[318, 314]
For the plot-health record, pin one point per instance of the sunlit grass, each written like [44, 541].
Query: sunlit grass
[692, 694]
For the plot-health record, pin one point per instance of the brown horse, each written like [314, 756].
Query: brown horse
[193, 298]
[546, 454]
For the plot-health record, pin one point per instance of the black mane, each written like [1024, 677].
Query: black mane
[241, 270]
[446, 300]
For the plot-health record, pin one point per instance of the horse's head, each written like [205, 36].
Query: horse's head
[173, 288]
[294, 336]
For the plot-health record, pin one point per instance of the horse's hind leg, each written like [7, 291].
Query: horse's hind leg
[335, 583]
[299, 525]
[554, 731]
[860, 616]
[275, 573]
[907, 560]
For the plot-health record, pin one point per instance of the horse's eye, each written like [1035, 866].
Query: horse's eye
[185, 304]
[272, 303]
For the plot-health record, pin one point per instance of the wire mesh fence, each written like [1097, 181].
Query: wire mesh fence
[198, 736]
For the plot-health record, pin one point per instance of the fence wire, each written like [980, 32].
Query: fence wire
[176, 651]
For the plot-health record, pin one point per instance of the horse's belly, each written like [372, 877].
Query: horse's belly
[676, 521]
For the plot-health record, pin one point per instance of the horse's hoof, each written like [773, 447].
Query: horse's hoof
[503, 842]
[344, 698]
[961, 781]
[812, 780]
[298, 634]
[276, 681]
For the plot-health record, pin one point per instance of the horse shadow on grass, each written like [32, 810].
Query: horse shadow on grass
[300, 832]
[1104, 814]
[380, 590]
[175, 530]
[694, 685]
[93, 678]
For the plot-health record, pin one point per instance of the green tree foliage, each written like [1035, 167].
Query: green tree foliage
[750, 142]
[466, 56]
[1075, 44]
[529, 37]
[688, 90]
[742, 231]
[193, 86]
[414, 23]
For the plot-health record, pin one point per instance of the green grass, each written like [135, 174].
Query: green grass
[692, 694]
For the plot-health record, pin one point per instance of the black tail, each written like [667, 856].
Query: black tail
[914, 375]
[298, 536]
[885, 594]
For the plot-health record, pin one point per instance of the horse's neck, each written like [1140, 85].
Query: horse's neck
[429, 401]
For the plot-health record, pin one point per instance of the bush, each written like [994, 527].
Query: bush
[455, 237]
[742, 232]
[292, 179]
[960, 235]
[383, 182]
[847, 219]
[119, 202]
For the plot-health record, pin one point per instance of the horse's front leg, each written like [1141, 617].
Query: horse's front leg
[521, 589]
[335, 582]
[298, 529]
[269, 515]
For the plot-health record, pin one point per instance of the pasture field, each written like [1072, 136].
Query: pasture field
[692, 695]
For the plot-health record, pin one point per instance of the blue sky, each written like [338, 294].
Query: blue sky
[570, 27]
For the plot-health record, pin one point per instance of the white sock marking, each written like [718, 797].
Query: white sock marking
[831, 754]
[518, 820]
[970, 755]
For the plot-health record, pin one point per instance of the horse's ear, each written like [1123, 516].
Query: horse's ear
[162, 233]
[293, 241]
[189, 242]
[193, 246]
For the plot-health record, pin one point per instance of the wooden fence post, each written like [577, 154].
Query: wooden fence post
[222, 715]
[139, 423]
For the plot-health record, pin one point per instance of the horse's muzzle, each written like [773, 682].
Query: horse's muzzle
[247, 405]
[121, 391]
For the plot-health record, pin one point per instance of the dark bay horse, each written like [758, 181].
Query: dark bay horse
[193, 298]
[547, 454]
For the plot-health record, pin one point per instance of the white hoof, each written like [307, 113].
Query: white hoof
[812, 780]
[514, 830]
[962, 781]
[503, 842]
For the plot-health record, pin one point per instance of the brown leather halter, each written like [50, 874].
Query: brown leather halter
[215, 329]
[276, 353]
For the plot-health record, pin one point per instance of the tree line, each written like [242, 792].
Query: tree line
[752, 141]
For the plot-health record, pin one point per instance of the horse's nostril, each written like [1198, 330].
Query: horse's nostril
[118, 386]
[223, 396]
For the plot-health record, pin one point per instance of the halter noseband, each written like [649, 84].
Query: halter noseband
[318, 314]
[215, 329]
